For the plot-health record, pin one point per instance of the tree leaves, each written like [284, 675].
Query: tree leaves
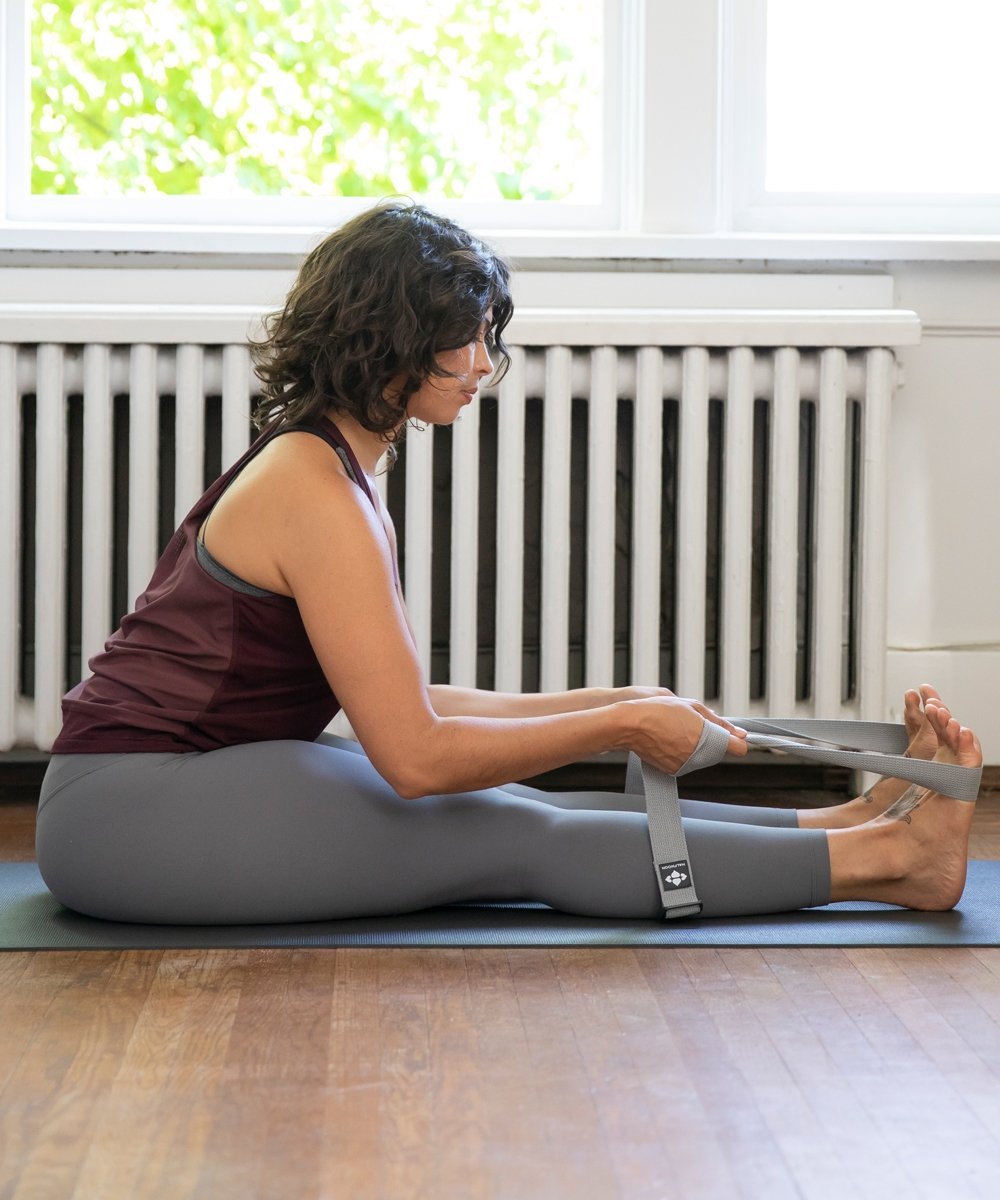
[438, 98]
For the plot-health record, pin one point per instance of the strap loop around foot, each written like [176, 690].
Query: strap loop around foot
[859, 745]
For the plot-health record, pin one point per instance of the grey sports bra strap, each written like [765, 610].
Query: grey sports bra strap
[792, 736]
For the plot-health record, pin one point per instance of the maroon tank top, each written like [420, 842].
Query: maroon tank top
[205, 660]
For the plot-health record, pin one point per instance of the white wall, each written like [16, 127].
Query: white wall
[944, 543]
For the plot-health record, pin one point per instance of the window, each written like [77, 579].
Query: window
[597, 128]
[878, 115]
[293, 109]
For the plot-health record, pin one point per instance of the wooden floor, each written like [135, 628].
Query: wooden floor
[522, 1074]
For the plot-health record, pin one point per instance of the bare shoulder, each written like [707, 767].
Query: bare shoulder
[310, 492]
[297, 453]
[282, 469]
[293, 501]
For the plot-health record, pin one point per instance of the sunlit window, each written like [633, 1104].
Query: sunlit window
[445, 99]
[898, 96]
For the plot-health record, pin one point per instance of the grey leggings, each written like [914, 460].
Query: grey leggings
[300, 831]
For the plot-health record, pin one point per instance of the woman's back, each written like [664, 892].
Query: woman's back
[208, 658]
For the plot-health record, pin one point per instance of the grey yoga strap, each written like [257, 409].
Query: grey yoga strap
[860, 745]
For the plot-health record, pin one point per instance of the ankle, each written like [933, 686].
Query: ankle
[846, 815]
[864, 858]
[890, 844]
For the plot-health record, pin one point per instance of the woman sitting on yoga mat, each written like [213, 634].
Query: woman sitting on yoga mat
[192, 781]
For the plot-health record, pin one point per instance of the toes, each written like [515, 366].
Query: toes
[944, 725]
[947, 729]
[953, 736]
[950, 734]
[969, 747]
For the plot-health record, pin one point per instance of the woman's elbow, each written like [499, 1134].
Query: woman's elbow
[417, 764]
[404, 783]
[409, 778]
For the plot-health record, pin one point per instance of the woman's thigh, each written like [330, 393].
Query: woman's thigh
[272, 831]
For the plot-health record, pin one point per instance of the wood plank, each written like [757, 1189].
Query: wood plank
[260, 1132]
[72, 1055]
[150, 1135]
[518, 1153]
[825, 1075]
[726, 1143]
[575, 1154]
[460, 1131]
[351, 1101]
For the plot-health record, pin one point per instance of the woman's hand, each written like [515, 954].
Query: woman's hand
[665, 730]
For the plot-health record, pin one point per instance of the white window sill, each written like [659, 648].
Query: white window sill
[786, 247]
[248, 242]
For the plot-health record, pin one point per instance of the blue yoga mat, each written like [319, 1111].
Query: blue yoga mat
[32, 919]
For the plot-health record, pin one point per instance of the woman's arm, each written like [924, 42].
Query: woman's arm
[450, 701]
[333, 553]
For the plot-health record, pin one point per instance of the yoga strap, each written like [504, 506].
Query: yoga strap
[853, 744]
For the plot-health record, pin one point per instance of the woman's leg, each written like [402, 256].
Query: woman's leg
[294, 831]
[702, 810]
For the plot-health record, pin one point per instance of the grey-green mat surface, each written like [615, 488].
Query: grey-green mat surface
[31, 919]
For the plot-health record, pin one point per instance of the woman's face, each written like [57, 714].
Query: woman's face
[440, 398]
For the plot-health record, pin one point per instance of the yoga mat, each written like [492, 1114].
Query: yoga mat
[32, 919]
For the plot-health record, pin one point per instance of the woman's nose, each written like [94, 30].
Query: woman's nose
[484, 364]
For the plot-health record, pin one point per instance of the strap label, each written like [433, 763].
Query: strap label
[675, 874]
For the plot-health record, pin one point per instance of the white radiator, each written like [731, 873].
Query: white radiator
[696, 498]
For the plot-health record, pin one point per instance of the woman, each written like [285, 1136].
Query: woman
[192, 782]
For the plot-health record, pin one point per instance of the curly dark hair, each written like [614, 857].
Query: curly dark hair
[373, 305]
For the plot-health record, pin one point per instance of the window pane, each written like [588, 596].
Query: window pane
[883, 96]
[236, 98]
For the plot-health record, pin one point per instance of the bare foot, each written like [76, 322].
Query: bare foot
[923, 743]
[916, 853]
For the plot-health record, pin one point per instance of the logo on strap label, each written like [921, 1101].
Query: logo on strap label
[675, 874]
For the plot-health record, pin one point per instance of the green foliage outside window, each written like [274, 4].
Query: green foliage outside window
[436, 98]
